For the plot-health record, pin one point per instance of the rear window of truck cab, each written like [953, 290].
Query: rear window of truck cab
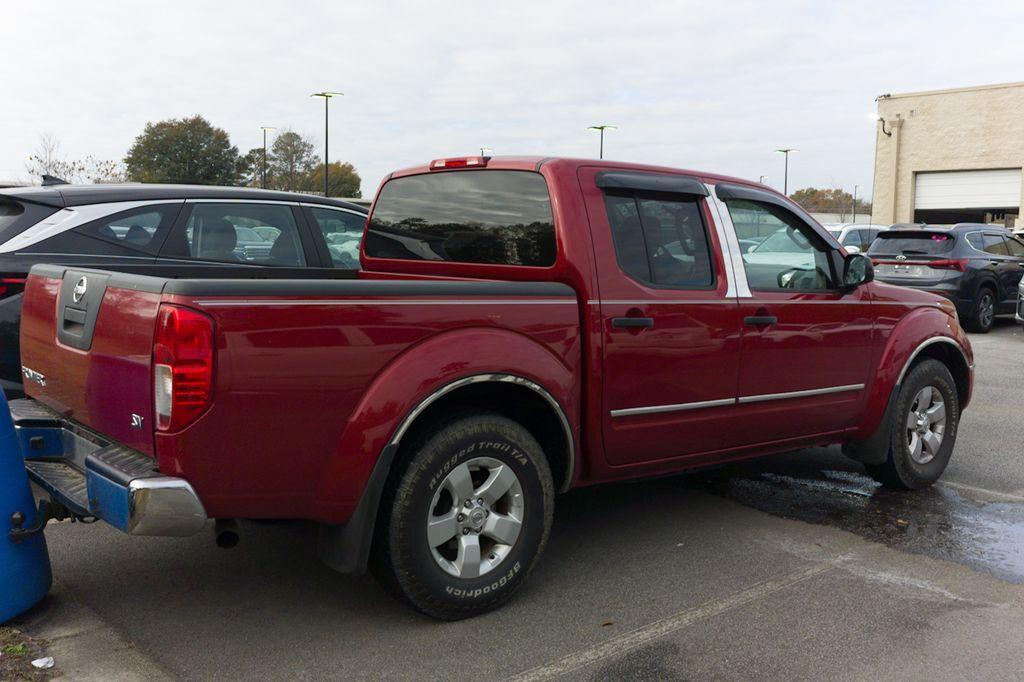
[495, 217]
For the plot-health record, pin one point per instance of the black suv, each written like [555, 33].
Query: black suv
[166, 230]
[976, 266]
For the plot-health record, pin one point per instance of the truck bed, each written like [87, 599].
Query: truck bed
[295, 363]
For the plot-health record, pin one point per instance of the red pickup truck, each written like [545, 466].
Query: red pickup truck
[519, 327]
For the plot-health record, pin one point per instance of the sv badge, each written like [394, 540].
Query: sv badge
[136, 421]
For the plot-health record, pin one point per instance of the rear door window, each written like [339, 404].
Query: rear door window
[242, 233]
[912, 243]
[1016, 247]
[136, 233]
[660, 240]
[343, 232]
[995, 244]
[481, 216]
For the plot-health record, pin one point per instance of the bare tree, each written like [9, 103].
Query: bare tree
[48, 160]
[45, 160]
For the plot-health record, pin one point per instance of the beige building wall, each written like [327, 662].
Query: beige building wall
[979, 128]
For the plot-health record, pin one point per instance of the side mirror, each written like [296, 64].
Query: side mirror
[850, 248]
[857, 270]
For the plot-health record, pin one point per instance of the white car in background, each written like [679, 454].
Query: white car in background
[855, 237]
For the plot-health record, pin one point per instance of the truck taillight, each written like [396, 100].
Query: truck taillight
[182, 366]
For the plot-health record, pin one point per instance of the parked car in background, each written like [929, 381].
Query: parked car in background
[856, 237]
[1020, 303]
[520, 326]
[976, 266]
[172, 228]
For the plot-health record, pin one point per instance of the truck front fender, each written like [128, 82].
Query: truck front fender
[924, 332]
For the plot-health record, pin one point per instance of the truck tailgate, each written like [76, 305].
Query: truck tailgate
[86, 349]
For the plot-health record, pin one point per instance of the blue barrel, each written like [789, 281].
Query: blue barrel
[24, 566]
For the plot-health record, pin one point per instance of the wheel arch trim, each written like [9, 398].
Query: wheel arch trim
[924, 344]
[496, 377]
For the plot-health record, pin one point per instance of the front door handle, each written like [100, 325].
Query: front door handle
[633, 322]
[760, 320]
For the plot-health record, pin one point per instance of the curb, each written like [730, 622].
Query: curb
[83, 646]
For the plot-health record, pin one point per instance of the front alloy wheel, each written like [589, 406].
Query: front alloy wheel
[924, 420]
[926, 424]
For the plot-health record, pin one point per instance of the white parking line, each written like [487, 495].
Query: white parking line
[1008, 497]
[617, 646]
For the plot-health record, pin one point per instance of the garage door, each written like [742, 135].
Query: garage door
[968, 189]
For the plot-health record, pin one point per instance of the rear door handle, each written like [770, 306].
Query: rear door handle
[633, 322]
[760, 320]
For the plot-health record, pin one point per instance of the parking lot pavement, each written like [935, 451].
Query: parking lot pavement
[792, 566]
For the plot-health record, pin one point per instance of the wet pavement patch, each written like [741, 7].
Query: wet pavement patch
[937, 522]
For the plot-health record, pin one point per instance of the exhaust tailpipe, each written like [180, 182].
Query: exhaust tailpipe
[225, 531]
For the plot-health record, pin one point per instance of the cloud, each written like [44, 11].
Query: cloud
[714, 86]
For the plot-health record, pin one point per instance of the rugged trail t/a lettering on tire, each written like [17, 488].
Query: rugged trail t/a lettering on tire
[467, 518]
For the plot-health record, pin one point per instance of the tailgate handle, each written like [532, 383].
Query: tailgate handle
[760, 320]
[74, 320]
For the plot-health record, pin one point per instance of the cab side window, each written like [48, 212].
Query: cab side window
[792, 256]
[242, 233]
[343, 232]
[660, 240]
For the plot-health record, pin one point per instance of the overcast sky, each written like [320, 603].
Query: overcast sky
[709, 85]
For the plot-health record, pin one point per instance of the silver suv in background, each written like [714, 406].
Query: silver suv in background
[856, 237]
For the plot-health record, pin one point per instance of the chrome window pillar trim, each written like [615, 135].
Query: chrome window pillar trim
[924, 344]
[71, 217]
[500, 378]
[738, 286]
[764, 397]
[682, 407]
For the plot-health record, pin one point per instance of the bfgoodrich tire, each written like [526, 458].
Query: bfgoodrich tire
[464, 523]
[924, 426]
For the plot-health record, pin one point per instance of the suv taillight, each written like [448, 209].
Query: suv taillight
[9, 286]
[182, 366]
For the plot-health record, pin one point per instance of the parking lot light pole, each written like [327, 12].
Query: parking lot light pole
[785, 179]
[327, 95]
[485, 150]
[854, 219]
[601, 128]
[265, 129]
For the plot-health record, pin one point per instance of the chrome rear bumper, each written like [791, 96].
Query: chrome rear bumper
[91, 477]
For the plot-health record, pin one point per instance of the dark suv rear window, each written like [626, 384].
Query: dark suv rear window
[16, 217]
[498, 217]
[912, 243]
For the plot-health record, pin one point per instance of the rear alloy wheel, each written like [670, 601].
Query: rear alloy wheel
[466, 521]
[984, 314]
[927, 413]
